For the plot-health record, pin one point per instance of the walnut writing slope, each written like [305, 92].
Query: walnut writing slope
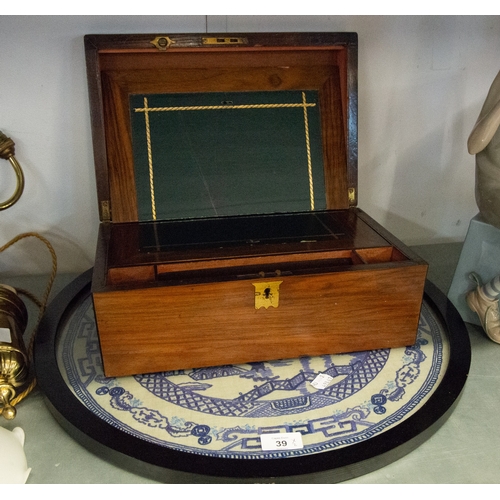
[227, 177]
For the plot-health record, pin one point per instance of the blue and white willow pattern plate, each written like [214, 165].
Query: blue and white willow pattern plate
[221, 411]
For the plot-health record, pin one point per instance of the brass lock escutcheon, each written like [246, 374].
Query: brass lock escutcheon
[267, 294]
[162, 42]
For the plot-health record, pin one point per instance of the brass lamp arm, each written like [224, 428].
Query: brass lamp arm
[7, 153]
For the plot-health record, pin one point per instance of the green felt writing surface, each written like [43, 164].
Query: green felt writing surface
[227, 153]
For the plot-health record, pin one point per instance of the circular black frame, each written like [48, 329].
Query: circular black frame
[153, 461]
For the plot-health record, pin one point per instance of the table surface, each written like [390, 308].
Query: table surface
[466, 449]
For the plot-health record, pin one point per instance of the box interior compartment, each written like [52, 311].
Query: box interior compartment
[217, 249]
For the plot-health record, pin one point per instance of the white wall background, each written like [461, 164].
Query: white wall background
[422, 82]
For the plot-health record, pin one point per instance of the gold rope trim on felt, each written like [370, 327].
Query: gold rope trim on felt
[304, 105]
[225, 106]
[150, 159]
[308, 150]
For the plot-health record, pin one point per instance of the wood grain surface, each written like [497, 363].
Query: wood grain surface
[170, 328]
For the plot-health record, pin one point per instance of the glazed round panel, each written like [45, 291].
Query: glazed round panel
[209, 420]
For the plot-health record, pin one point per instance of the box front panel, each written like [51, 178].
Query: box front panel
[169, 328]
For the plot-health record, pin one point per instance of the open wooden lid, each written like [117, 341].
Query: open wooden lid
[219, 124]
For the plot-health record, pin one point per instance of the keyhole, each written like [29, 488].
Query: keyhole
[267, 292]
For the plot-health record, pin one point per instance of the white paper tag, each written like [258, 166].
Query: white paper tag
[5, 335]
[281, 441]
[321, 381]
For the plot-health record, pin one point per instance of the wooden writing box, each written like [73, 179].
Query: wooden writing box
[227, 174]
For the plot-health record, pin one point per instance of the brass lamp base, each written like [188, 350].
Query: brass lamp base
[14, 364]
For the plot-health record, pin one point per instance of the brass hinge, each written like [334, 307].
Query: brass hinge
[224, 41]
[351, 194]
[105, 211]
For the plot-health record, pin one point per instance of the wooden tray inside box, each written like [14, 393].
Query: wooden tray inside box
[244, 247]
